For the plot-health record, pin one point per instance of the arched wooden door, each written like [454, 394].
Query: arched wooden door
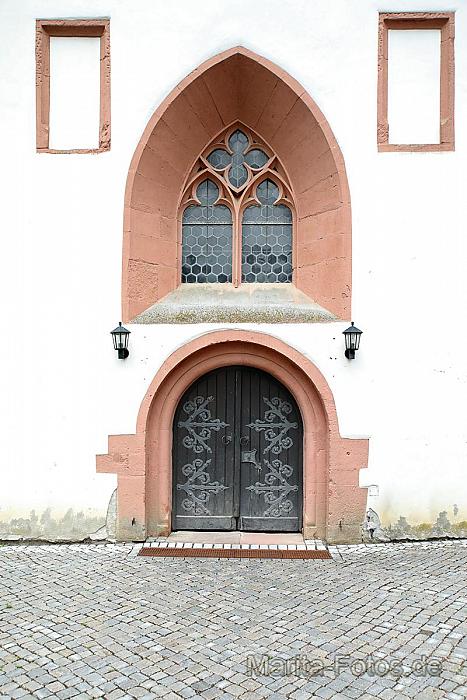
[237, 454]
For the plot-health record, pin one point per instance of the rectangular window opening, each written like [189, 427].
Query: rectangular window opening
[416, 82]
[413, 86]
[73, 86]
[74, 92]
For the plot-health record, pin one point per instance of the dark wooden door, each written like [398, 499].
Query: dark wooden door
[237, 454]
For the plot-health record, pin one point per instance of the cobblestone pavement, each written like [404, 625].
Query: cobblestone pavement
[88, 621]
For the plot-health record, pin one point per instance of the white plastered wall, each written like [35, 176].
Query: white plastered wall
[63, 391]
[414, 59]
[74, 92]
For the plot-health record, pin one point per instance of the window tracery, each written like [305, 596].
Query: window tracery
[237, 216]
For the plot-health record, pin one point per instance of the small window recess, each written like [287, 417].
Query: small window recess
[46, 28]
[443, 21]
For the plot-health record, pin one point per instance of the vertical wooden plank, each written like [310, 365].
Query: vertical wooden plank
[214, 457]
[258, 488]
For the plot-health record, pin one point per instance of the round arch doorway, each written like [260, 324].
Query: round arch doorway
[237, 454]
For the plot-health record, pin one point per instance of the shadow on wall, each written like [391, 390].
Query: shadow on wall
[75, 526]
[403, 530]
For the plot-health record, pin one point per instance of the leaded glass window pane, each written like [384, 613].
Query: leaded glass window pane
[219, 159]
[256, 158]
[267, 238]
[207, 238]
[238, 143]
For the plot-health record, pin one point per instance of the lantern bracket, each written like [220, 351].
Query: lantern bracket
[120, 336]
[352, 336]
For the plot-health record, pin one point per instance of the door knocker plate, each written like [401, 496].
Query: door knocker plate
[250, 458]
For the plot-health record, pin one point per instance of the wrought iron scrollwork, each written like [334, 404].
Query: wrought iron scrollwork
[198, 487]
[275, 489]
[199, 424]
[275, 425]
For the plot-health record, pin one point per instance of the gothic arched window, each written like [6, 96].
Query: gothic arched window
[267, 238]
[237, 220]
[207, 238]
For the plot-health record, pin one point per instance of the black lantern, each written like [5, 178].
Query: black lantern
[352, 341]
[120, 337]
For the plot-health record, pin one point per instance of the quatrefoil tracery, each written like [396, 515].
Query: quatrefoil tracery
[237, 161]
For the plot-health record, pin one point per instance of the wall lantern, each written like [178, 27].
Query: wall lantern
[120, 337]
[352, 341]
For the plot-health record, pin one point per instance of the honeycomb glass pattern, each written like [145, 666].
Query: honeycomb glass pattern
[267, 238]
[237, 174]
[256, 159]
[219, 159]
[207, 238]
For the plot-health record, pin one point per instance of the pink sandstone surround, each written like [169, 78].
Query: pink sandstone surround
[334, 504]
[237, 86]
[45, 28]
[443, 21]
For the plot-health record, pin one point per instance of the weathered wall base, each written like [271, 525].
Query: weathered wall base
[403, 530]
[74, 526]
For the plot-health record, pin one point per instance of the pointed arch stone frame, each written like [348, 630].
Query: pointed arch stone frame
[272, 104]
[333, 502]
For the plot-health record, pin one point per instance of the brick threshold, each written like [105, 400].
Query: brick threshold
[217, 545]
[245, 552]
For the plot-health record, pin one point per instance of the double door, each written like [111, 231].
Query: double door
[237, 454]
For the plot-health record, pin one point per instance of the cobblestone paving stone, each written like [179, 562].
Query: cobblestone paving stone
[96, 621]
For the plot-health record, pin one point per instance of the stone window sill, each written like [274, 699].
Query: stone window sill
[248, 303]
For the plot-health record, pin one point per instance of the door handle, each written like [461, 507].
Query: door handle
[244, 439]
[226, 439]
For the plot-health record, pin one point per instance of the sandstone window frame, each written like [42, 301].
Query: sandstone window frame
[445, 22]
[46, 28]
